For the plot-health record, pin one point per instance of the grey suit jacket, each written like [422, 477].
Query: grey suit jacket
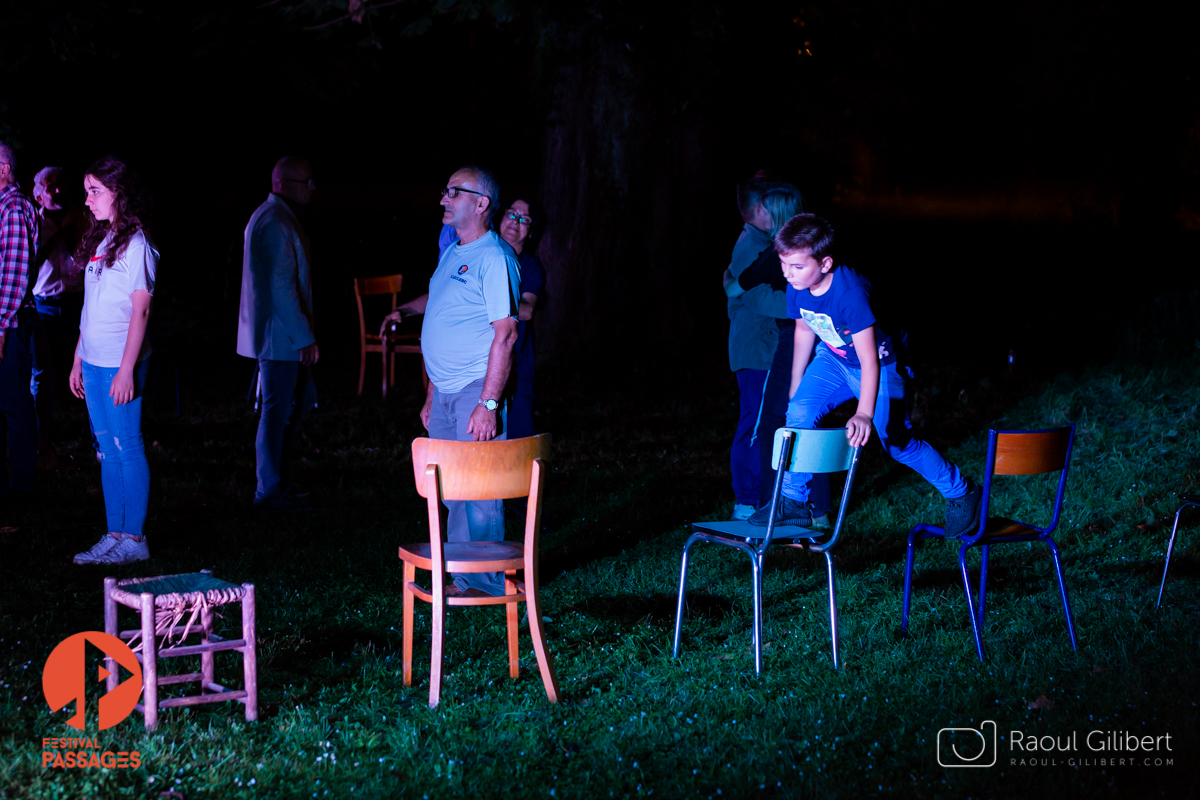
[275, 319]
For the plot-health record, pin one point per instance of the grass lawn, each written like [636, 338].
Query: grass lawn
[634, 463]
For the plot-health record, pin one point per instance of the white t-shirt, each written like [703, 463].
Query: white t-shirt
[475, 285]
[108, 300]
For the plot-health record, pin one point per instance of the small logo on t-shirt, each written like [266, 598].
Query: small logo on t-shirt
[462, 269]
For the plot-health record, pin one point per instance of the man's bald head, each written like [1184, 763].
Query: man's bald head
[292, 179]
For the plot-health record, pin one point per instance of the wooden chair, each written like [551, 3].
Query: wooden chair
[1188, 500]
[1008, 453]
[450, 470]
[795, 450]
[387, 346]
[164, 603]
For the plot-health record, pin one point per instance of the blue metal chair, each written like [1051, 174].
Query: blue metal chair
[802, 450]
[1008, 453]
[1188, 500]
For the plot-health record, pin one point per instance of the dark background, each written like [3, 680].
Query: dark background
[1012, 178]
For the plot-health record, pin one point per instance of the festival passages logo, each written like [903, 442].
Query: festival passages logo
[66, 679]
[978, 747]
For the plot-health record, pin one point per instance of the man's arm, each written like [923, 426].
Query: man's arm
[483, 424]
[528, 304]
[858, 429]
[762, 299]
[805, 340]
[276, 254]
[412, 308]
[15, 238]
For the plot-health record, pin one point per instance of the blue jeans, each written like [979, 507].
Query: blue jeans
[16, 403]
[124, 473]
[286, 391]
[828, 382]
[743, 453]
[468, 520]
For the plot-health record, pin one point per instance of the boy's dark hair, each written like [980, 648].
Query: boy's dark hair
[806, 232]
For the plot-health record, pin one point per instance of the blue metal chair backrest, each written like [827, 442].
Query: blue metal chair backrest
[813, 450]
[1027, 453]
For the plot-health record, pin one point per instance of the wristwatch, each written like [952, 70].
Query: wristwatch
[490, 405]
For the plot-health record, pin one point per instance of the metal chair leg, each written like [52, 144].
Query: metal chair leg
[833, 615]
[679, 605]
[983, 565]
[1170, 547]
[1062, 588]
[962, 563]
[756, 576]
[908, 570]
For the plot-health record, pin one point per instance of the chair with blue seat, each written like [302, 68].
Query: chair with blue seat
[1008, 453]
[1188, 500]
[795, 450]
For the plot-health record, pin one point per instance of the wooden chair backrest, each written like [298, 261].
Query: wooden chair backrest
[816, 450]
[479, 470]
[364, 287]
[384, 284]
[1031, 452]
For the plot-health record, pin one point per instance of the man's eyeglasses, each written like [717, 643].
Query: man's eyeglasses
[453, 192]
[307, 182]
[519, 218]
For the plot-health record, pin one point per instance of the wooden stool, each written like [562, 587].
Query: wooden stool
[163, 603]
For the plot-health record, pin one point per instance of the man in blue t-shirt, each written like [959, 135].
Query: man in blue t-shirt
[467, 339]
[854, 360]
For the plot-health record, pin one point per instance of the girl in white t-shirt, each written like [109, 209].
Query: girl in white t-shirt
[119, 263]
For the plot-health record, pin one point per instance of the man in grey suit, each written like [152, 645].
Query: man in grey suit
[275, 322]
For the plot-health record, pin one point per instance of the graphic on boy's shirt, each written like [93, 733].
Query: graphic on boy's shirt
[822, 326]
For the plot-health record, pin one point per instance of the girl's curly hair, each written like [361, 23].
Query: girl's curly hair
[131, 211]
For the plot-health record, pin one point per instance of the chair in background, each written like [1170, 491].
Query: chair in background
[1188, 500]
[389, 344]
[795, 450]
[450, 470]
[1008, 453]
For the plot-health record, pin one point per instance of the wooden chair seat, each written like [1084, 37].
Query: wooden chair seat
[467, 556]
[1009, 530]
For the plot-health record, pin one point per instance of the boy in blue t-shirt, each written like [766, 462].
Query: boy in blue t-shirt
[854, 360]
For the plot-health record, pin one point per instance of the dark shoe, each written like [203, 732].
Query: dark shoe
[962, 513]
[789, 512]
[279, 503]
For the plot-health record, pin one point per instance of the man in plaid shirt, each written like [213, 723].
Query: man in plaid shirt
[18, 237]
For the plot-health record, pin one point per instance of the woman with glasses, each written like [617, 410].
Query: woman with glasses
[111, 358]
[521, 226]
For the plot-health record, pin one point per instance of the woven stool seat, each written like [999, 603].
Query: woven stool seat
[171, 591]
[172, 608]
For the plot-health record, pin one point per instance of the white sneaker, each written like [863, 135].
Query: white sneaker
[106, 543]
[126, 551]
[742, 511]
[122, 551]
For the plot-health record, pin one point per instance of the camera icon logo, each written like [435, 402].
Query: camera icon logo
[967, 747]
